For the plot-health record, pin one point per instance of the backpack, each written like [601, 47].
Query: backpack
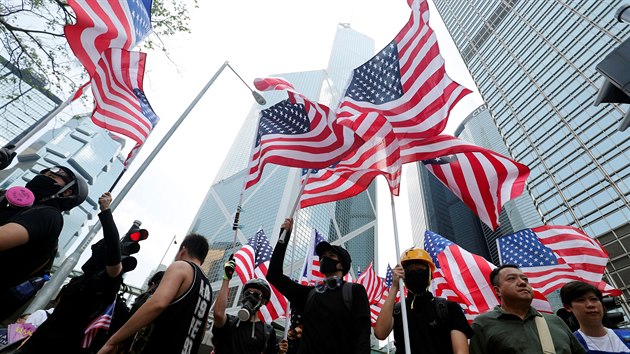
[441, 310]
[346, 291]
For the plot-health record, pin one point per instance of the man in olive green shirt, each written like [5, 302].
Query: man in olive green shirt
[511, 328]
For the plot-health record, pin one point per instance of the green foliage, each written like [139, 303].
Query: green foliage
[32, 38]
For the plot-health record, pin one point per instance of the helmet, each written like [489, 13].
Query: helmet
[77, 184]
[417, 254]
[261, 285]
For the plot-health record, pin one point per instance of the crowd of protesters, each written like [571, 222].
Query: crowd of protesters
[333, 316]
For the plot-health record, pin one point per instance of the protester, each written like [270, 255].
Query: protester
[244, 334]
[29, 234]
[436, 326]
[137, 343]
[335, 314]
[584, 301]
[85, 297]
[178, 308]
[515, 327]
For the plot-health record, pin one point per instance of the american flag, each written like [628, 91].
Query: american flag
[120, 103]
[272, 83]
[406, 82]
[252, 261]
[106, 24]
[100, 323]
[310, 272]
[467, 276]
[376, 291]
[380, 155]
[373, 284]
[80, 92]
[483, 179]
[297, 132]
[389, 278]
[551, 256]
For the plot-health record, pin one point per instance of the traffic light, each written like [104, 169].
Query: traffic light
[612, 318]
[129, 245]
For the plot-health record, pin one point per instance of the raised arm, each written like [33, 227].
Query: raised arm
[293, 291]
[385, 321]
[113, 265]
[222, 297]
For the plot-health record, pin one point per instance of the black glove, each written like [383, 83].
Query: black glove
[7, 153]
[228, 268]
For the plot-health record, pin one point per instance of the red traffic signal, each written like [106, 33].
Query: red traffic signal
[139, 235]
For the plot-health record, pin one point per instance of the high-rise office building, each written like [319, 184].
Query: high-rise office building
[24, 100]
[434, 207]
[351, 222]
[89, 150]
[534, 63]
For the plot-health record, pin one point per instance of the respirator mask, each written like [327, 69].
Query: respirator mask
[252, 301]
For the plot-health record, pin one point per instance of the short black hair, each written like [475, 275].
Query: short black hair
[495, 273]
[574, 289]
[156, 278]
[196, 245]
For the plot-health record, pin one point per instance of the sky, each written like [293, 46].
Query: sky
[259, 38]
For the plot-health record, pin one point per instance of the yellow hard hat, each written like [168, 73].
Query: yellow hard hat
[417, 254]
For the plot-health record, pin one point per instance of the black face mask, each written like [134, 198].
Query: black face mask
[42, 187]
[328, 265]
[417, 280]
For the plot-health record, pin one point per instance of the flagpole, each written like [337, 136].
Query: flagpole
[401, 284]
[282, 238]
[49, 289]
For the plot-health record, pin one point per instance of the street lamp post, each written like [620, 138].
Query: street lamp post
[50, 288]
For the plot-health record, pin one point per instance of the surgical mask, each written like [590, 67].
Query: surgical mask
[251, 303]
[43, 187]
[328, 265]
[417, 280]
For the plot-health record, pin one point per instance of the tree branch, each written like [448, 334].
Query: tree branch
[12, 28]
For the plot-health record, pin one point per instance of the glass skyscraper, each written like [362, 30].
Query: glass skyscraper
[534, 63]
[351, 222]
[24, 100]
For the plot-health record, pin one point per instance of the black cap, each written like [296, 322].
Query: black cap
[344, 256]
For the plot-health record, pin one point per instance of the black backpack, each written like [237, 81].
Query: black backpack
[441, 310]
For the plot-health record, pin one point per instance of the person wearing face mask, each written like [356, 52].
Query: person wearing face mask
[30, 223]
[436, 326]
[244, 333]
[335, 314]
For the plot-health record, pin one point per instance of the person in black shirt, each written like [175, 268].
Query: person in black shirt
[436, 326]
[335, 314]
[179, 307]
[85, 297]
[28, 235]
[244, 334]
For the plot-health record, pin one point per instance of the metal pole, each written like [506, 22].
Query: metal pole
[165, 252]
[401, 284]
[50, 288]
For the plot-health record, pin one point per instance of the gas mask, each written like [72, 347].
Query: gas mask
[18, 197]
[252, 301]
